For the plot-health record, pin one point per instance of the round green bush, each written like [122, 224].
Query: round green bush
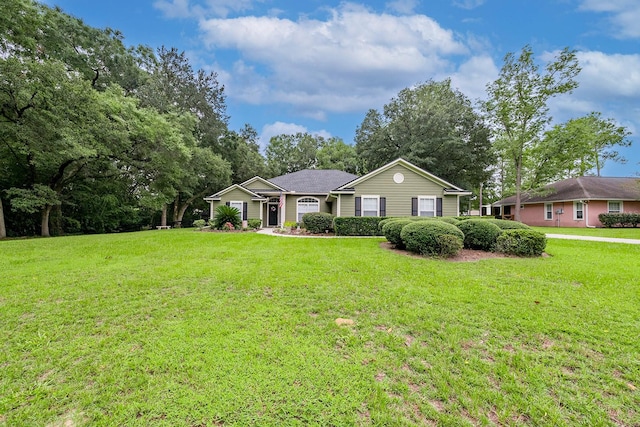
[317, 222]
[479, 234]
[521, 242]
[425, 237]
[391, 231]
[383, 222]
[506, 224]
[448, 219]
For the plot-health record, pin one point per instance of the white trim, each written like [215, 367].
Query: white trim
[614, 201]
[211, 211]
[339, 207]
[435, 205]
[241, 203]
[546, 212]
[575, 210]
[298, 204]
[370, 196]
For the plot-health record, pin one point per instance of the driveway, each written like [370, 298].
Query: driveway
[594, 239]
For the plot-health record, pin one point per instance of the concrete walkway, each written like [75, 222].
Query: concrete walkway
[594, 239]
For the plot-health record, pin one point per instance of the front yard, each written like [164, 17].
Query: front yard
[185, 328]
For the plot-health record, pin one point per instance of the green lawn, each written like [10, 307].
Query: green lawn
[625, 233]
[173, 328]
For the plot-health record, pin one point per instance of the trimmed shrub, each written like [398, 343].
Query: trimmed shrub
[358, 225]
[199, 223]
[448, 219]
[317, 222]
[425, 237]
[619, 219]
[392, 229]
[521, 242]
[226, 215]
[254, 223]
[479, 234]
[506, 224]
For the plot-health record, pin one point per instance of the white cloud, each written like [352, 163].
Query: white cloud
[608, 76]
[405, 7]
[281, 128]
[345, 63]
[624, 15]
[195, 9]
[468, 4]
[174, 8]
[473, 75]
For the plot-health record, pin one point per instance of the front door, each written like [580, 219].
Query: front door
[273, 215]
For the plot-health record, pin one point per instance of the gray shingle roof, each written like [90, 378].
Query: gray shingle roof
[583, 188]
[313, 181]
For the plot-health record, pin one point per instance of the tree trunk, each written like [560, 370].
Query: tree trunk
[177, 218]
[163, 219]
[45, 221]
[3, 229]
[480, 199]
[518, 188]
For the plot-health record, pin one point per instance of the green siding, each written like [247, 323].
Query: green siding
[259, 185]
[253, 207]
[398, 196]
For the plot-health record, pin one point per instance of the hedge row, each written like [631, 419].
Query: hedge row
[619, 219]
[443, 238]
[357, 225]
[318, 222]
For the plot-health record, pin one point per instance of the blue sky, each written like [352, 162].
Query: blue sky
[319, 65]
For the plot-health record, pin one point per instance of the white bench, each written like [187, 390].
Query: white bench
[163, 227]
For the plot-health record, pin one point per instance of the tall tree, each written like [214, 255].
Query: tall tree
[242, 151]
[517, 105]
[578, 147]
[433, 126]
[334, 153]
[291, 153]
[174, 87]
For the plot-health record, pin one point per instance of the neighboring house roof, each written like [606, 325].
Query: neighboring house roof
[449, 188]
[582, 188]
[313, 181]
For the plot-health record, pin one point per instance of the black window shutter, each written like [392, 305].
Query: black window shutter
[228, 203]
[414, 206]
[358, 206]
[439, 206]
[383, 206]
[245, 208]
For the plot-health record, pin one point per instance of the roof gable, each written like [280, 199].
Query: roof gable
[231, 188]
[259, 183]
[410, 166]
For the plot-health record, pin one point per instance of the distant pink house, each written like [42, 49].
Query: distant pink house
[574, 202]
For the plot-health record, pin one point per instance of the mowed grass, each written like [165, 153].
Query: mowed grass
[172, 328]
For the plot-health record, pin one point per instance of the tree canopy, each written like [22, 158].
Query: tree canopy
[433, 126]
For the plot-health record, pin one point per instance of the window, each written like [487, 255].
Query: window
[238, 205]
[615, 207]
[370, 205]
[578, 210]
[306, 205]
[426, 206]
[548, 211]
